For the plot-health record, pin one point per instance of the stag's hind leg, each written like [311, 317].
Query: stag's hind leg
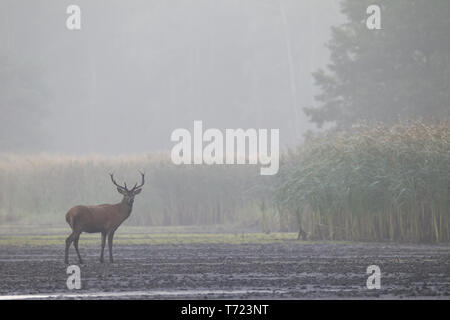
[68, 243]
[74, 236]
[75, 244]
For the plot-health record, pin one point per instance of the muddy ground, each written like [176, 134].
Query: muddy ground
[286, 270]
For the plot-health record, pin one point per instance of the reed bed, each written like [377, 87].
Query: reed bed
[374, 182]
[370, 183]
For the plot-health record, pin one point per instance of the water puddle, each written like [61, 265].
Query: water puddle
[140, 294]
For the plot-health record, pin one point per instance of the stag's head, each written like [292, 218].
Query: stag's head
[129, 194]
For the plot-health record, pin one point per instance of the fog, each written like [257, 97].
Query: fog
[137, 70]
[242, 149]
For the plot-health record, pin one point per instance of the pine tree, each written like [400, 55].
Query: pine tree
[401, 71]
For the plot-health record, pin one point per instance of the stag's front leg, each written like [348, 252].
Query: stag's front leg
[110, 244]
[103, 246]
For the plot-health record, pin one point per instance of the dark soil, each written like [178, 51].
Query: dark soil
[288, 270]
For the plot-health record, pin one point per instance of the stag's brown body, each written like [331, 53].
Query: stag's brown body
[104, 218]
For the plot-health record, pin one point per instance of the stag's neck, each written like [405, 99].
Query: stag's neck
[125, 209]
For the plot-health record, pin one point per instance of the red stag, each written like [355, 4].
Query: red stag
[104, 218]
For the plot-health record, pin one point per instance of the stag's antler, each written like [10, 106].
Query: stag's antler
[117, 185]
[142, 182]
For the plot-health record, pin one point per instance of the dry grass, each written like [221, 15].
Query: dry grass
[373, 182]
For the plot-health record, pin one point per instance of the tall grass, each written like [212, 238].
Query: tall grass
[372, 183]
[41, 189]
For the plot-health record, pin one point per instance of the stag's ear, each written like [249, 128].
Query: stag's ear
[121, 191]
[137, 191]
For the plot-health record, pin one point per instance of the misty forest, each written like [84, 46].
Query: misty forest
[348, 99]
[363, 114]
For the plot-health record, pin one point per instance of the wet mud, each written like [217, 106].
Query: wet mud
[288, 270]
